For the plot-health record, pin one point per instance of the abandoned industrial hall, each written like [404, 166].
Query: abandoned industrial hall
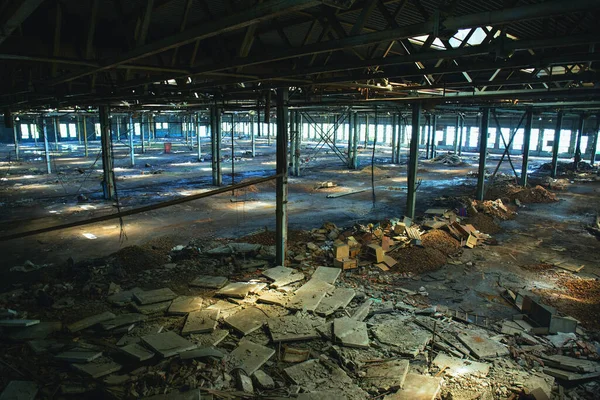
[299, 199]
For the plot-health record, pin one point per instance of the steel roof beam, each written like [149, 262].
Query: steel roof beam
[13, 18]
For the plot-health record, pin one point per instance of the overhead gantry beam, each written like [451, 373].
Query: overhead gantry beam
[15, 15]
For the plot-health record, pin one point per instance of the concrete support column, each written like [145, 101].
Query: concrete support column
[131, 148]
[281, 223]
[350, 137]
[142, 132]
[401, 137]
[413, 160]
[594, 141]
[456, 138]
[215, 141]
[483, 141]
[298, 139]
[108, 184]
[526, 146]
[252, 140]
[540, 141]
[394, 136]
[427, 136]
[578, 143]
[44, 131]
[198, 137]
[293, 133]
[556, 143]
[433, 150]
[460, 134]
[16, 139]
[268, 117]
[56, 128]
[444, 135]
[85, 137]
[118, 123]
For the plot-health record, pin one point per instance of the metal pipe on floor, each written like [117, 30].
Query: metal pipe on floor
[526, 146]
[107, 162]
[483, 141]
[46, 145]
[413, 160]
[16, 139]
[281, 216]
[556, 143]
[131, 148]
[578, 143]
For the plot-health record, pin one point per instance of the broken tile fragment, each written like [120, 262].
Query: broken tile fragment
[340, 298]
[167, 344]
[262, 380]
[350, 332]
[90, 321]
[273, 297]
[202, 353]
[19, 390]
[309, 295]
[453, 366]
[209, 339]
[123, 320]
[203, 321]
[326, 274]
[417, 387]
[294, 327]
[481, 345]
[209, 282]
[78, 355]
[225, 308]
[154, 296]
[249, 356]
[241, 289]
[183, 305]
[400, 332]
[155, 308]
[247, 321]
[363, 310]
[137, 352]
[387, 374]
[97, 369]
[123, 298]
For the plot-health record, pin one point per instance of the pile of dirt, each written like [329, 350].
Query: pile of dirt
[494, 208]
[484, 223]
[266, 238]
[246, 190]
[376, 171]
[418, 259]
[511, 192]
[133, 259]
[442, 241]
[578, 298]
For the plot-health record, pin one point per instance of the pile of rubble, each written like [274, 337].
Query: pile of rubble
[510, 192]
[450, 159]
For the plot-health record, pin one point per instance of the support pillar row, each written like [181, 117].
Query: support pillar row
[281, 223]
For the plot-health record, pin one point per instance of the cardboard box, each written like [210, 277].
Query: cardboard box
[345, 263]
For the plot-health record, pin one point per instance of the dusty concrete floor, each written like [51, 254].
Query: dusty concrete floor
[31, 199]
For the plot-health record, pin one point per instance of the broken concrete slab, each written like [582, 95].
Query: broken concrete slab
[340, 298]
[326, 274]
[154, 296]
[34, 332]
[481, 345]
[225, 308]
[453, 366]
[79, 355]
[194, 394]
[570, 363]
[387, 374]
[363, 310]
[249, 356]
[210, 282]
[309, 295]
[247, 321]
[273, 297]
[125, 297]
[244, 383]
[209, 339]
[98, 369]
[241, 289]
[398, 331]
[278, 273]
[417, 387]
[295, 277]
[137, 352]
[45, 346]
[183, 305]
[167, 344]
[350, 332]
[90, 321]
[262, 380]
[570, 376]
[123, 320]
[203, 321]
[19, 390]
[155, 308]
[294, 327]
[18, 323]
[204, 352]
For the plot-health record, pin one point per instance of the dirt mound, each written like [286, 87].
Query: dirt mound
[267, 238]
[494, 208]
[484, 223]
[246, 190]
[376, 171]
[134, 259]
[442, 241]
[537, 267]
[418, 259]
[511, 192]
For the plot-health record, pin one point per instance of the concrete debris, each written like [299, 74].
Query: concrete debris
[18, 323]
[167, 344]
[137, 352]
[19, 390]
[293, 355]
[154, 296]
[235, 248]
[247, 320]
[350, 332]
[340, 298]
[90, 321]
[363, 310]
[150, 309]
[122, 320]
[262, 380]
[417, 387]
[209, 339]
[309, 295]
[204, 352]
[326, 274]
[34, 332]
[79, 355]
[98, 369]
[183, 305]
[124, 297]
[203, 321]
[249, 356]
[481, 345]
[240, 289]
[458, 367]
[387, 374]
[401, 333]
[210, 282]
[194, 394]
[293, 328]
[273, 297]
